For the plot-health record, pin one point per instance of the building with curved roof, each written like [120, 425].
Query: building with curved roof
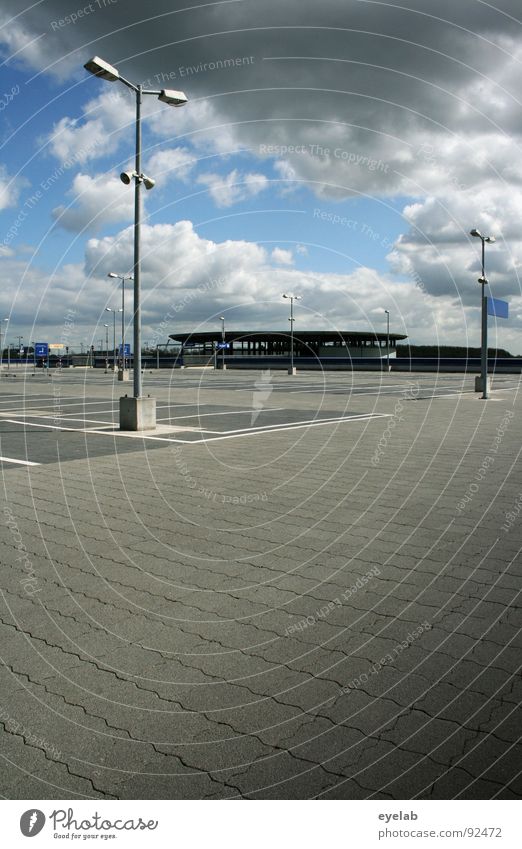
[307, 343]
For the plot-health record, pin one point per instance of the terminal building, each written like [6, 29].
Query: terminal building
[262, 348]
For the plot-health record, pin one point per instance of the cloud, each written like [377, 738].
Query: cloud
[96, 202]
[418, 106]
[105, 122]
[192, 286]
[10, 188]
[234, 187]
[438, 252]
[282, 257]
[176, 162]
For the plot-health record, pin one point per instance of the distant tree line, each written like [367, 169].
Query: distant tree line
[446, 351]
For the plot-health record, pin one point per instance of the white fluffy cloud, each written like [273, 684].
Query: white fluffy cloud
[106, 121]
[174, 163]
[194, 284]
[10, 188]
[282, 256]
[201, 278]
[233, 187]
[96, 202]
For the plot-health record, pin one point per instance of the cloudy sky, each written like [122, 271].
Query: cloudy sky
[340, 149]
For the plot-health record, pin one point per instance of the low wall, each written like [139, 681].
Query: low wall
[471, 365]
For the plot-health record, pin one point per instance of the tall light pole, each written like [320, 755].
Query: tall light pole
[108, 309]
[484, 302]
[106, 348]
[122, 374]
[137, 413]
[1, 343]
[223, 343]
[291, 297]
[387, 338]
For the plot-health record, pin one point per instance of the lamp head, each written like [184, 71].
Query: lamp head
[127, 177]
[148, 182]
[475, 232]
[172, 97]
[483, 280]
[490, 239]
[113, 275]
[102, 69]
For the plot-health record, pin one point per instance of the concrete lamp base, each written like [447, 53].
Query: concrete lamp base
[123, 374]
[137, 413]
[292, 370]
[478, 383]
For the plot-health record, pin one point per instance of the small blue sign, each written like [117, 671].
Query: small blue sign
[126, 352]
[41, 349]
[223, 345]
[498, 308]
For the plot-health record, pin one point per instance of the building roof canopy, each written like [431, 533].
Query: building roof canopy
[304, 336]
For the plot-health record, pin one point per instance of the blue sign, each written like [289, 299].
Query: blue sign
[126, 352]
[223, 345]
[498, 308]
[41, 349]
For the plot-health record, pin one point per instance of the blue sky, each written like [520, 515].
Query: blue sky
[349, 173]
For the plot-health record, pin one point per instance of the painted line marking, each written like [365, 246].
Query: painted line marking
[225, 413]
[226, 435]
[270, 428]
[20, 462]
[282, 429]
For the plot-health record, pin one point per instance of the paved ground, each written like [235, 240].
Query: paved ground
[297, 587]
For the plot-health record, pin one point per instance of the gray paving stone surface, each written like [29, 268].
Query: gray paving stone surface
[328, 612]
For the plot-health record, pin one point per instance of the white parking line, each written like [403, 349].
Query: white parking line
[19, 462]
[291, 426]
[226, 413]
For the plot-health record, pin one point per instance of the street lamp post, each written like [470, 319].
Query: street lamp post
[1, 343]
[223, 342]
[106, 348]
[291, 297]
[483, 383]
[123, 373]
[387, 339]
[136, 413]
[108, 309]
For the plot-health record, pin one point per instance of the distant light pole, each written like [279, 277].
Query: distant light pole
[387, 338]
[223, 343]
[484, 302]
[1, 343]
[106, 348]
[291, 297]
[108, 309]
[123, 278]
[137, 413]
